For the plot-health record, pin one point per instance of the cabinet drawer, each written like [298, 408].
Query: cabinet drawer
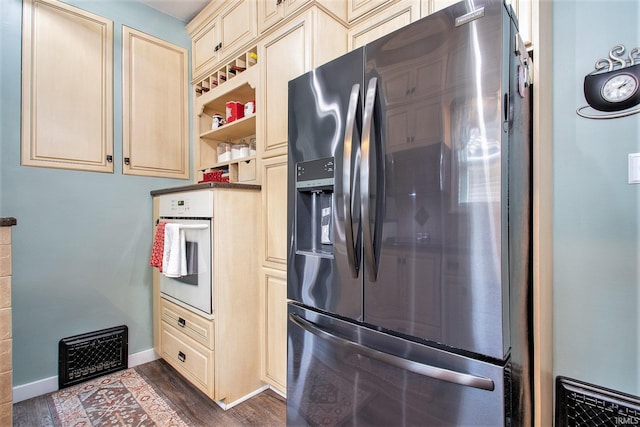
[191, 359]
[189, 323]
[247, 170]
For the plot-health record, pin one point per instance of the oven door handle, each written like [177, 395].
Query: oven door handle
[193, 227]
[430, 371]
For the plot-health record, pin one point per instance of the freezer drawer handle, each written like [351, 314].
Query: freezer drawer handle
[408, 365]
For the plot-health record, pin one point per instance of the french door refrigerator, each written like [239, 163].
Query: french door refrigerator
[409, 224]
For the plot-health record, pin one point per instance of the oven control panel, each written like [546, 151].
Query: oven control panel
[191, 204]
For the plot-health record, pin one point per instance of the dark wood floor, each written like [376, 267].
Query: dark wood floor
[266, 409]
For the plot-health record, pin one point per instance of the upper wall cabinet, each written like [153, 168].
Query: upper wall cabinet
[67, 87]
[358, 8]
[155, 122]
[307, 41]
[220, 30]
[388, 20]
[270, 12]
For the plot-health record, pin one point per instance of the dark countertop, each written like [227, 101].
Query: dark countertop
[204, 186]
[8, 222]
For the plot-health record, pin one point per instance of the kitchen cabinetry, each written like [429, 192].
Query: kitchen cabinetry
[67, 87]
[155, 117]
[274, 318]
[274, 274]
[219, 30]
[306, 41]
[358, 8]
[220, 356]
[270, 12]
[274, 215]
[390, 19]
[235, 80]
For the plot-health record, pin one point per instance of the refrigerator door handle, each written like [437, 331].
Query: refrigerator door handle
[353, 115]
[365, 191]
[442, 374]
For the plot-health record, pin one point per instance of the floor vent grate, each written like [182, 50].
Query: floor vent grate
[86, 356]
[579, 404]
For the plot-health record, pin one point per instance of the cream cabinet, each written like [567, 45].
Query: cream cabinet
[155, 114]
[220, 356]
[67, 87]
[274, 318]
[358, 8]
[270, 12]
[219, 30]
[274, 275]
[306, 41]
[274, 212]
[215, 146]
[436, 5]
[390, 19]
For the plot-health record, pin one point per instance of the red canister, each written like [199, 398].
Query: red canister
[235, 111]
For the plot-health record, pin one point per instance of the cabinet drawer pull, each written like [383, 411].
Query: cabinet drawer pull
[181, 356]
[181, 322]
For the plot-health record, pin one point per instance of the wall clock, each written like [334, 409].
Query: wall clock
[613, 89]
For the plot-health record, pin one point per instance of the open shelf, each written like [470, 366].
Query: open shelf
[231, 131]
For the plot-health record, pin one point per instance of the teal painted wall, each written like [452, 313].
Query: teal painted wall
[81, 247]
[596, 212]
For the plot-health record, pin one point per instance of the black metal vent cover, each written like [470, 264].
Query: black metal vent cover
[579, 404]
[86, 356]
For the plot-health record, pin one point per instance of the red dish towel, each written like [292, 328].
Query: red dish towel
[157, 252]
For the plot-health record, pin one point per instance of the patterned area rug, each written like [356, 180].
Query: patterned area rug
[123, 398]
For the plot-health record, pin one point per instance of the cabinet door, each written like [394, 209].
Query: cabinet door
[275, 328]
[280, 65]
[274, 205]
[155, 127]
[67, 88]
[238, 25]
[309, 40]
[436, 5]
[204, 46]
[357, 8]
[270, 12]
[385, 22]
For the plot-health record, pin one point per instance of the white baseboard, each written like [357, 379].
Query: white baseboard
[226, 406]
[48, 385]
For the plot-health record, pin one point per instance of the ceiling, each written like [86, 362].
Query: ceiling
[184, 10]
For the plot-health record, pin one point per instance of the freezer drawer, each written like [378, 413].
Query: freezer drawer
[340, 373]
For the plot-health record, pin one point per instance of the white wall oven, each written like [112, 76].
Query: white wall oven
[187, 262]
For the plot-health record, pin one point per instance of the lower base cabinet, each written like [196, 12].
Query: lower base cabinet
[220, 354]
[192, 360]
[274, 361]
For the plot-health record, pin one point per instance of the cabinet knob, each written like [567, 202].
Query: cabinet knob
[181, 356]
[279, 2]
[181, 322]
[127, 161]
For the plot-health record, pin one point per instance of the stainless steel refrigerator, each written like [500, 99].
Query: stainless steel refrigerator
[409, 221]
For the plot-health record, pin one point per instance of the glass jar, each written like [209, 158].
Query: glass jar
[224, 152]
[239, 150]
[252, 147]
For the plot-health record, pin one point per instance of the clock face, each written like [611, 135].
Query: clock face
[620, 87]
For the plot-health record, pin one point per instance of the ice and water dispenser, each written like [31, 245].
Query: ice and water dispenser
[314, 206]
